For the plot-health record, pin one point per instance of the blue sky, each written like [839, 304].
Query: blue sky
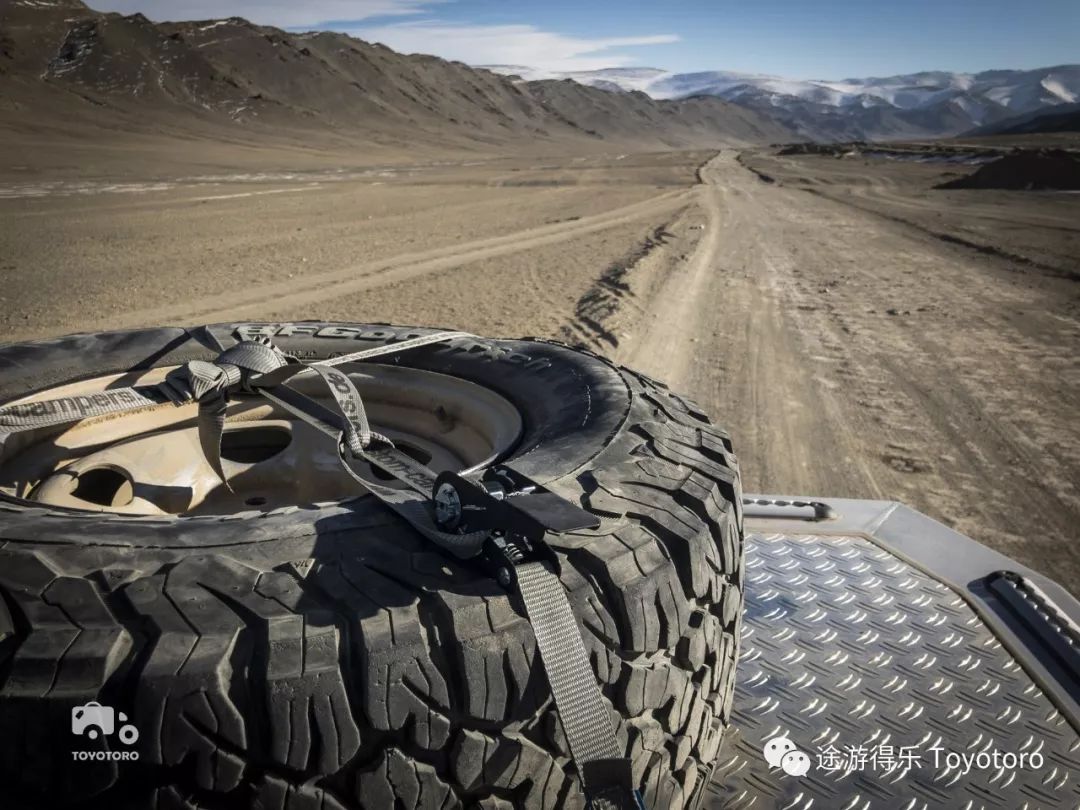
[829, 40]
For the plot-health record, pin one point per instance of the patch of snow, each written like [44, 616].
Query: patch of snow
[217, 24]
[977, 111]
[1054, 85]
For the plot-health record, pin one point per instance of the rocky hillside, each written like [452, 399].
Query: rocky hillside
[64, 66]
[1064, 118]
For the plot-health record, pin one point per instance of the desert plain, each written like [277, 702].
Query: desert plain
[860, 332]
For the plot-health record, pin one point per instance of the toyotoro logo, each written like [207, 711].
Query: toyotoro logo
[95, 721]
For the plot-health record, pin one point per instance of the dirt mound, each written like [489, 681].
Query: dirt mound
[1029, 170]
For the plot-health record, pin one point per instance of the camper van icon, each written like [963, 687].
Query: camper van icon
[95, 720]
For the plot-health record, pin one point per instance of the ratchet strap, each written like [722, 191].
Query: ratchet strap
[607, 776]
[258, 367]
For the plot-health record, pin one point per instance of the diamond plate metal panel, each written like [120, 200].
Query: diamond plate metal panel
[845, 644]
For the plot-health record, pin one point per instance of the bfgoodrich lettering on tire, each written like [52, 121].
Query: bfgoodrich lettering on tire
[321, 654]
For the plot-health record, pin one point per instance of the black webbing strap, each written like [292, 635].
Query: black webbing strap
[260, 368]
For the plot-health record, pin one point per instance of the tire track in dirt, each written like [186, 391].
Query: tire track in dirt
[596, 312]
[853, 356]
[717, 330]
[311, 289]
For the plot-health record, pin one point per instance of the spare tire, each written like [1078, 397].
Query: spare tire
[323, 654]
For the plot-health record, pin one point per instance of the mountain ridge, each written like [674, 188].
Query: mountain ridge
[922, 104]
[1061, 118]
[65, 66]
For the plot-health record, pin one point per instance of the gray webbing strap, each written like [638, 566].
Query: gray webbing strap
[209, 385]
[606, 775]
[391, 348]
[212, 411]
[45, 413]
[586, 722]
[358, 433]
[322, 366]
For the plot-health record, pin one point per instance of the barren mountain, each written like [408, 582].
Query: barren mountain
[67, 71]
[1063, 118]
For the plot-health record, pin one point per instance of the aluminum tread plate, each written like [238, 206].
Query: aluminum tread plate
[845, 643]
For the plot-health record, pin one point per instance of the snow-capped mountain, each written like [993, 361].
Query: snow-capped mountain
[931, 103]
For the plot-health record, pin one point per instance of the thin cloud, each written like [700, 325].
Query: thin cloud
[282, 13]
[507, 45]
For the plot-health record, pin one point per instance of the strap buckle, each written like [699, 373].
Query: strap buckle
[610, 784]
[516, 511]
[504, 500]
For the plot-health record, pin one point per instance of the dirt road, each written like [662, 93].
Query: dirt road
[852, 355]
[850, 352]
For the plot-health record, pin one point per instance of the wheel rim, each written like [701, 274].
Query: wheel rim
[150, 462]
